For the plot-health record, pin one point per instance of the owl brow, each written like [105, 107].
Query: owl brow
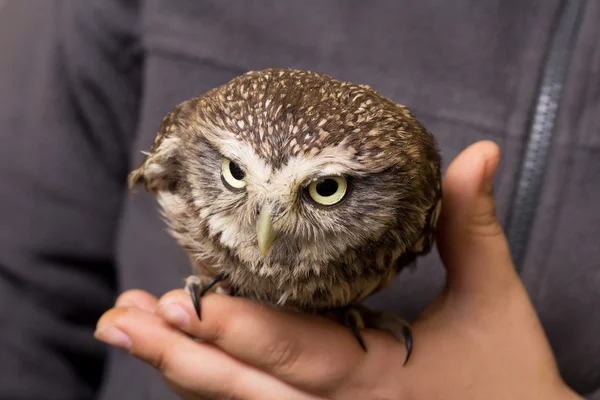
[319, 174]
[245, 157]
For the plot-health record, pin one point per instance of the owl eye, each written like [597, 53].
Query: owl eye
[233, 175]
[328, 190]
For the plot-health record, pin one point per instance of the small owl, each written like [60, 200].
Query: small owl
[297, 190]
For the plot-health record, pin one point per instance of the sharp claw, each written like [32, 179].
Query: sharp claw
[408, 341]
[195, 293]
[351, 322]
[197, 290]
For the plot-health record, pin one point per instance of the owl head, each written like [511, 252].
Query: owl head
[296, 181]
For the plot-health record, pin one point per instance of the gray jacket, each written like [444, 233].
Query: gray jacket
[84, 85]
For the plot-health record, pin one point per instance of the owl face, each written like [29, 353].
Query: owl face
[305, 214]
[298, 180]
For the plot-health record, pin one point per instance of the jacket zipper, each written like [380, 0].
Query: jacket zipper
[529, 185]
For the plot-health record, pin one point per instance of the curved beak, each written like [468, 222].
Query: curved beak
[264, 231]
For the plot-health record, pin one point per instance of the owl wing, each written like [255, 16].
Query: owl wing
[425, 242]
[156, 170]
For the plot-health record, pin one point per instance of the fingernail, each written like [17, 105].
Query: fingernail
[124, 304]
[114, 337]
[488, 175]
[174, 314]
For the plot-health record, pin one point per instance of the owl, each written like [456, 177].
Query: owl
[297, 190]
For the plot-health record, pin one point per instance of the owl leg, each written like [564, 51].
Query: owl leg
[198, 286]
[360, 317]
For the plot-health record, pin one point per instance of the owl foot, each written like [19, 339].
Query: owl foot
[198, 286]
[360, 317]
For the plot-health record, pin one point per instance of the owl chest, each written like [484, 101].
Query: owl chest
[306, 286]
[305, 292]
[290, 277]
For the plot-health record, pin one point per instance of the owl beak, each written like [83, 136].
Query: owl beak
[264, 231]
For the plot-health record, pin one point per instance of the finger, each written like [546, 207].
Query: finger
[470, 239]
[192, 367]
[137, 298]
[309, 352]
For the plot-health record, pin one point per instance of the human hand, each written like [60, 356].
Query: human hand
[480, 339]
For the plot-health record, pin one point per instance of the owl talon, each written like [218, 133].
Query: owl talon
[196, 300]
[194, 286]
[408, 342]
[359, 317]
[354, 321]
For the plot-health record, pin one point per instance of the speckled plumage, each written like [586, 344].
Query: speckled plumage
[285, 128]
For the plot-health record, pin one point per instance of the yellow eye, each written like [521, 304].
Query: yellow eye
[328, 190]
[233, 175]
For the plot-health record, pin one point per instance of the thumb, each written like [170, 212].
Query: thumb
[470, 239]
